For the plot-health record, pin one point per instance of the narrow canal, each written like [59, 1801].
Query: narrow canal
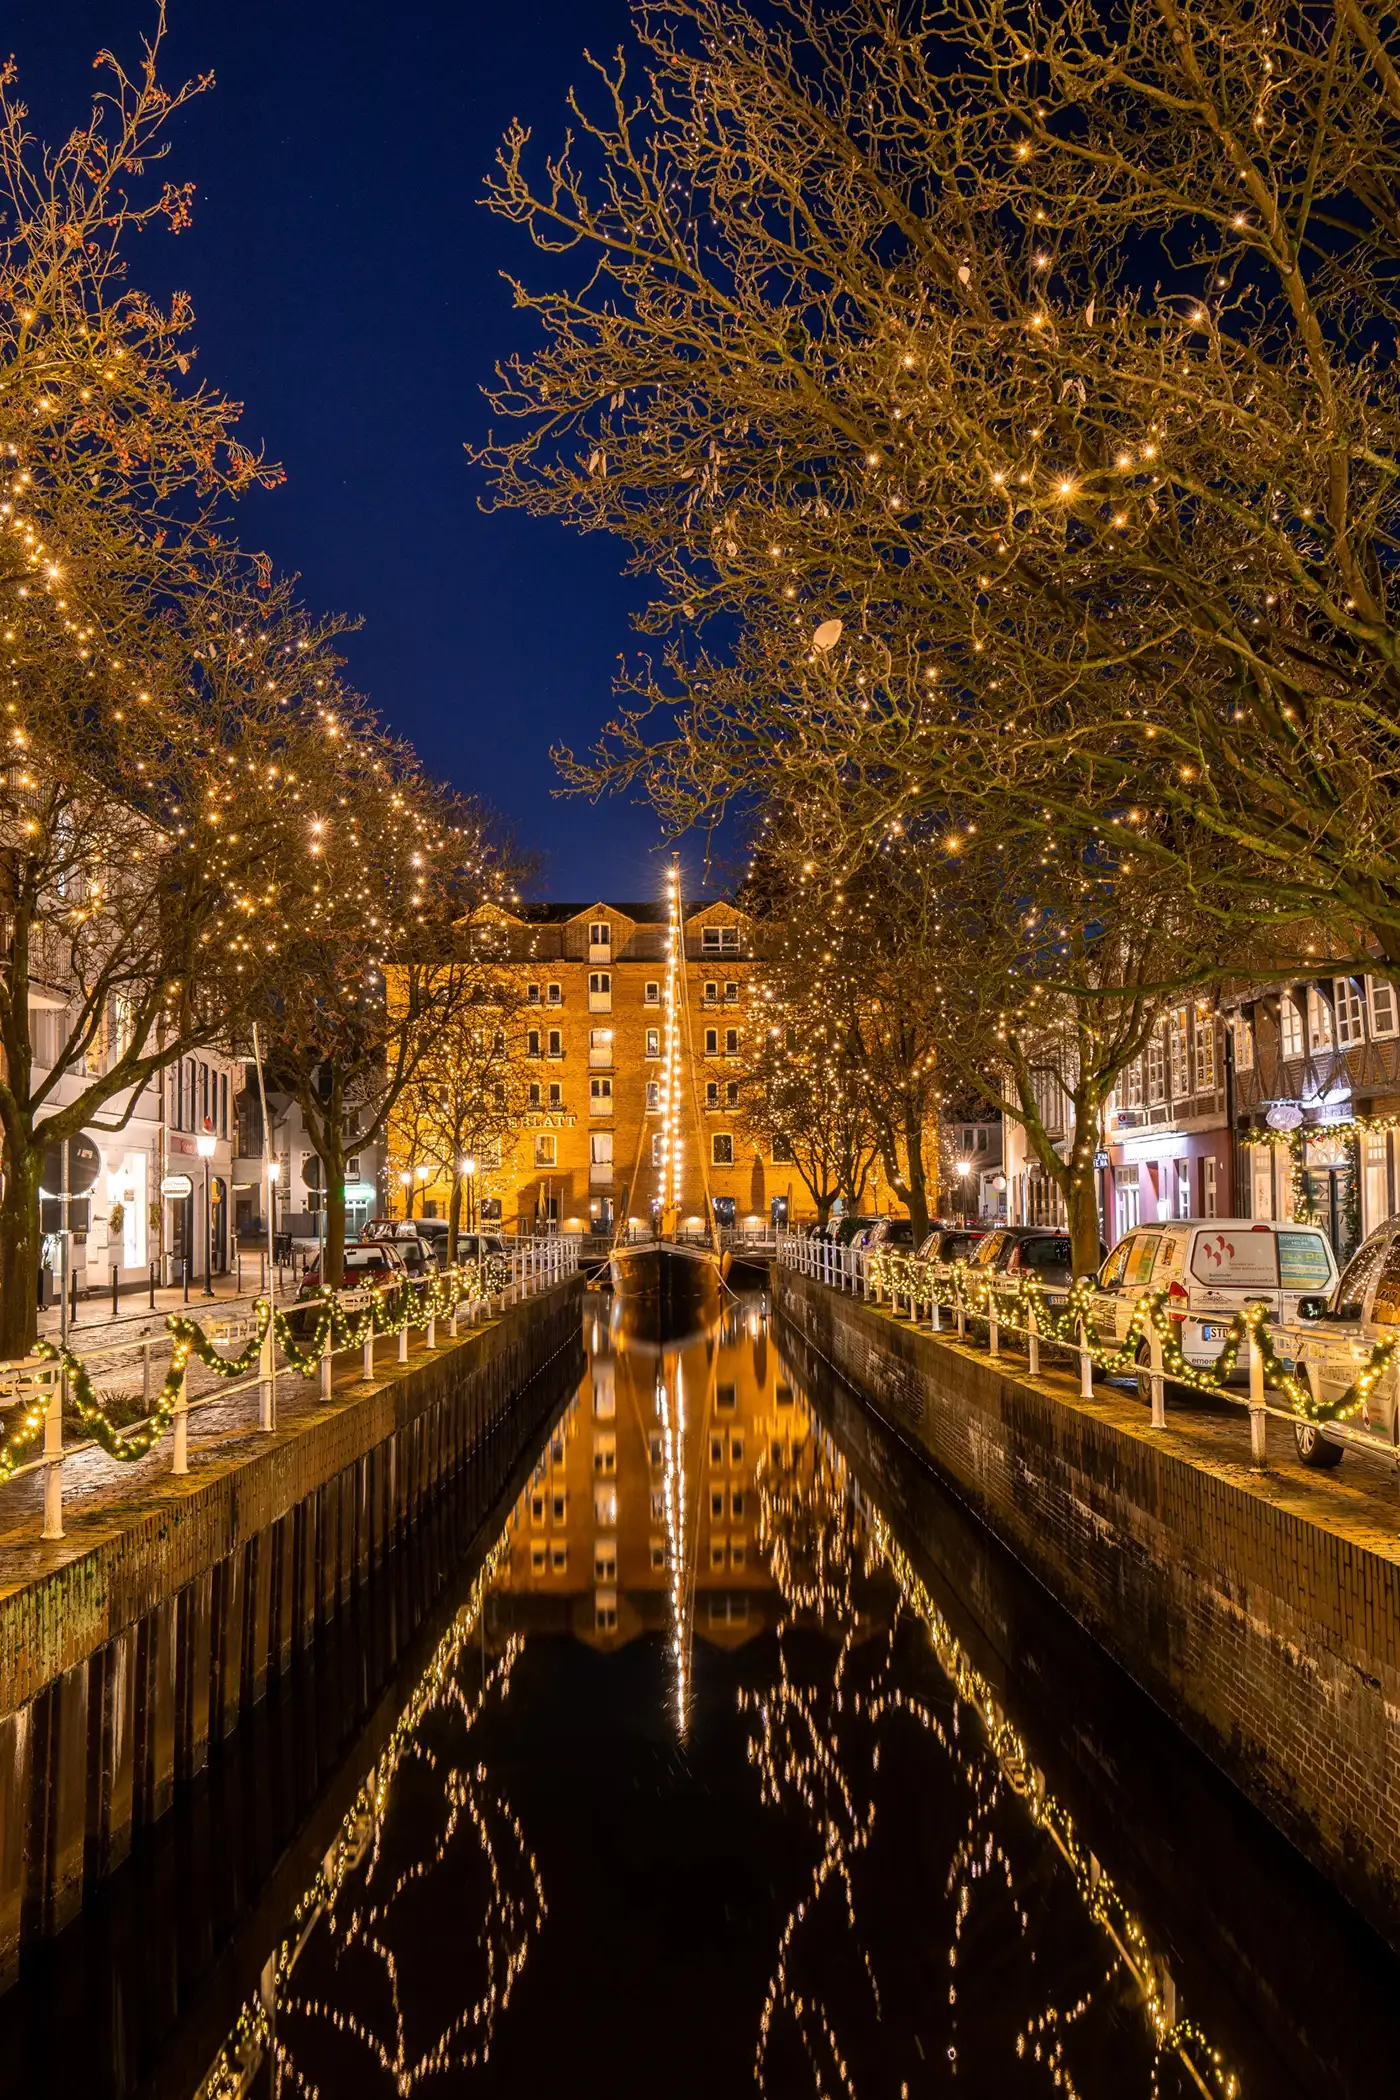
[738, 1760]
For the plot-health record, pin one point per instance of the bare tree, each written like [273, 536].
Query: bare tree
[1040, 348]
[469, 1092]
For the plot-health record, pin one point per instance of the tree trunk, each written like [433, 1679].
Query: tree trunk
[454, 1217]
[1082, 1202]
[916, 1191]
[20, 1244]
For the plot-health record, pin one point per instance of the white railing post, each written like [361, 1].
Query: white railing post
[1158, 1383]
[431, 1335]
[367, 1353]
[935, 1312]
[180, 1422]
[267, 1378]
[146, 1374]
[403, 1331]
[326, 1352]
[1258, 1418]
[992, 1337]
[1032, 1340]
[961, 1319]
[1086, 1365]
[53, 1452]
[456, 1289]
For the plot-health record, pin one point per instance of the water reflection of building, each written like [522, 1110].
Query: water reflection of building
[644, 1503]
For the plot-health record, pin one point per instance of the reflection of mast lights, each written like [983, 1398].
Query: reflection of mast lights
[673, 1450]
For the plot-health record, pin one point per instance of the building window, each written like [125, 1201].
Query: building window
[721, 1149]
[651, 993]
[1205, 1052]
[546, 1150]
[1156, 1069]
[556, 1093]
[534, 1093]
[653, 1048]
[712, 991]
[532, 995]
[731, 1042]
[731, 1094]
[712, 1093]
[556, 995]
[559, 1555]
[658, 1150]
[1183, 1188]
[600, 1046]
[719, 940]
[1244, 1043]
[712, 1042]
[600, 991]
[1132, 1084]
[532, 1042]
[556, 1043]
[731, 989]
[653, 1094]
[1319, 1019]
[782, 1152]
[600, 1148]
[1290, 1026]
[1178, 1039]
[600, 1097]
[1349, 1010]
[1209, 1198]
[599, 934]
[1382, 997]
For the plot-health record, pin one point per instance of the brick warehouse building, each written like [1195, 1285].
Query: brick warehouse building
[592, 978]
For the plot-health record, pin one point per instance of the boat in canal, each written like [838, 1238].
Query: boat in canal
[677, 1271]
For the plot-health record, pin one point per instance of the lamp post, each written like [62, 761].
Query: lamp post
[204, 1146]
[468, 1167]
[274, 1175]
[964, 1167]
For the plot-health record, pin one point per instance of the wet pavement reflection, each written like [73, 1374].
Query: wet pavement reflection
[746, 1763]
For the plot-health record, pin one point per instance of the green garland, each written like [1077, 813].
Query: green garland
[983, 1297]
[400, 1305]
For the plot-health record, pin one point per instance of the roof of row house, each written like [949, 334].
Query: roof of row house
[649, 913]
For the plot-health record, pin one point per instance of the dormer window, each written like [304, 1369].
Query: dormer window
[600, 934]
[719, 940]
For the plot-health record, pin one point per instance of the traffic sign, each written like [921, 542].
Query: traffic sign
[84, 1166]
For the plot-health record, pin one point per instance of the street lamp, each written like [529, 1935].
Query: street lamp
[964, 1167]
[204, 1146]
[274, 1175]
[468, 1168]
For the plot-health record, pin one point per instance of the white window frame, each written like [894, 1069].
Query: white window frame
[1349, 1011]
[653, 1042]
[1243, 1029]
[717, 1139]
[1382, 1004]
[719, 940]
[651, 992]
[712, 1042]
[546, 1149]
[1322, 1033]
[1292, 1028]
[1205, 1052]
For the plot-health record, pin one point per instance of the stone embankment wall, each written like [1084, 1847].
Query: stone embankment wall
[140, 1640]
[1269, 1633]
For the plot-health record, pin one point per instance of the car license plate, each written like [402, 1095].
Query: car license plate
[1214, 1334]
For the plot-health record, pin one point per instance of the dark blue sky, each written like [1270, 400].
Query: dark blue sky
[347, 290]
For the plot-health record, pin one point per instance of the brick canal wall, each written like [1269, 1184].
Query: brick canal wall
[142, 1637]
[1270, 1635]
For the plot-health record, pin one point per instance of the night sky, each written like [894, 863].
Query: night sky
[347, 289]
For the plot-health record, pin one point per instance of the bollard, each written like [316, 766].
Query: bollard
[53, 1452]
[403, 1340]
[367, 1354]
[326, 1364]
[1258, 1418]
[1086, 1365]
[992, 1349]
[153, 1286]
[1032, 1342]
[936, 1315]
[962, 1322]
[180, 1422]
[267, 1379]
[115, 1274]
[432, 1330]
[1159, 1395]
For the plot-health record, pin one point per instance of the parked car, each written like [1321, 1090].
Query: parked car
[1029, 1250]
[948, 1243]
[894, 1234]
[371, 1261]
[846, 1230]
[408, 1235]
[1210, 1269]
[1333, 1333]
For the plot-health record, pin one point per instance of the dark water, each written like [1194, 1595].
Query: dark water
[743, 1762]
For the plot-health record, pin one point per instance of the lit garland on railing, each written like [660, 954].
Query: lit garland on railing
[405, 1303]
[980, 1295]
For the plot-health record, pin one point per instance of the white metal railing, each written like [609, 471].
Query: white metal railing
[1004, 1310]
[167, 1377]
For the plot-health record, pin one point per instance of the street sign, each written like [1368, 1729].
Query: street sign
[84, 1166]
[1100, 1160]
[1284, 1115]
[177, 1185]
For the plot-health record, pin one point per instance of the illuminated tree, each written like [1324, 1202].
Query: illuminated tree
[1044, 349]
[469, 1092]
[801, 1089]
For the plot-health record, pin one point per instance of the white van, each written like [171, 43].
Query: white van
[1210, 1268]
[1332, 1336]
